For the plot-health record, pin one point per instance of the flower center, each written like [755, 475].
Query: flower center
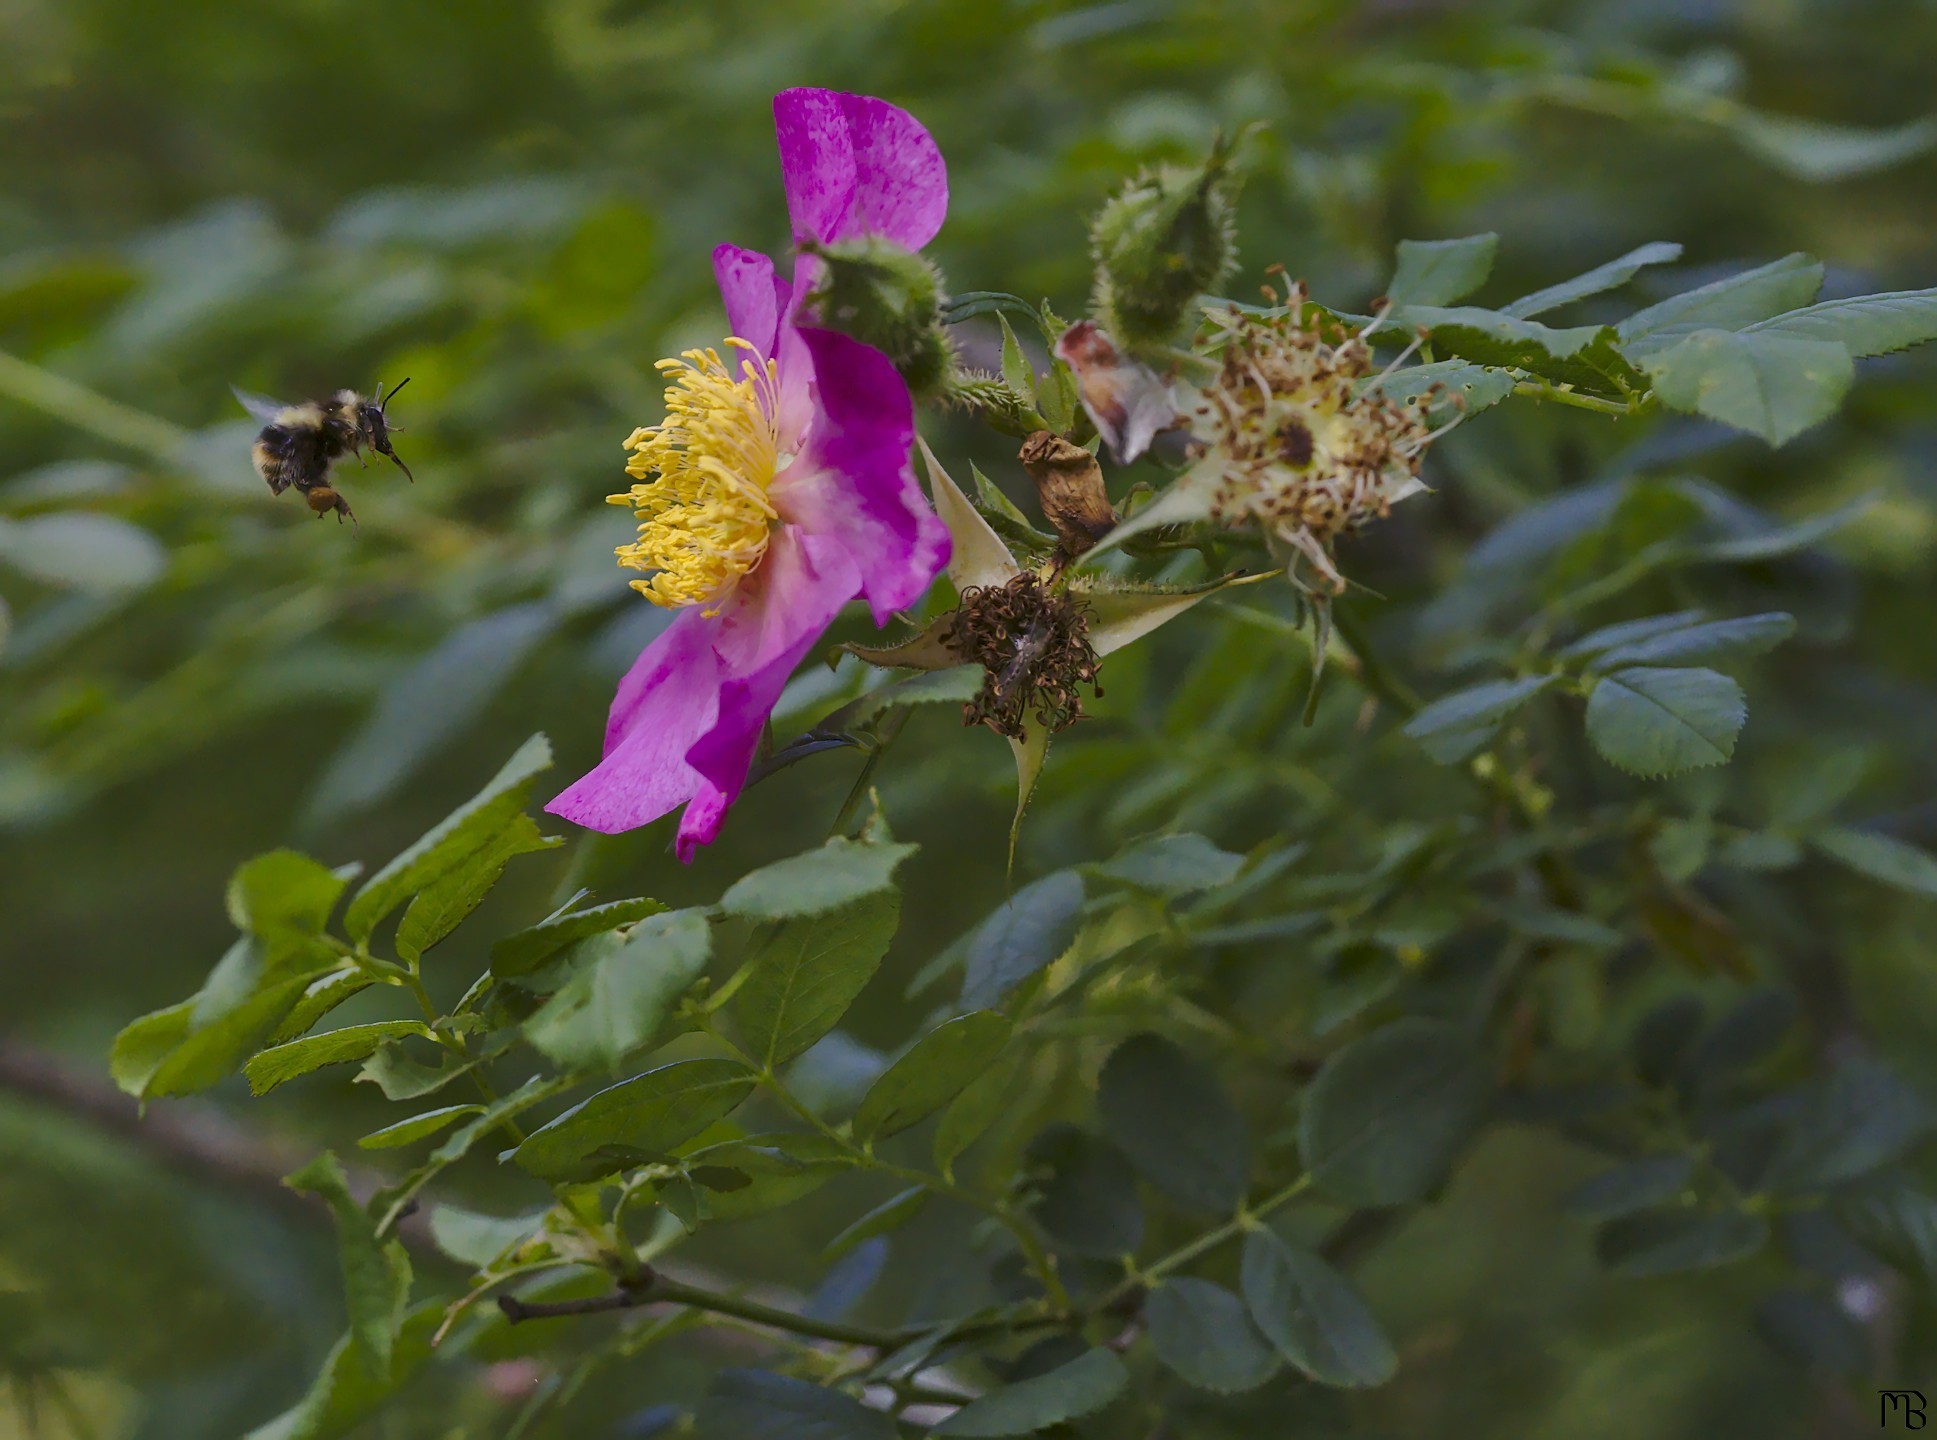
[701, 501]
[1297, 435]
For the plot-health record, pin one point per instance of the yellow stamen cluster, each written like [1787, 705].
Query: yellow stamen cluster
[704, 516]
[1295, 437]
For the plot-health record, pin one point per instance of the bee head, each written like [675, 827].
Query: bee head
[375, 424]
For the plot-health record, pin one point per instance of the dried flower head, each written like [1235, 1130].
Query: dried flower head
[1033, 645]
[1296, 435]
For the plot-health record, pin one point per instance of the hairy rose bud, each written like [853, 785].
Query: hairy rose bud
[889, 298]
[1160, 242]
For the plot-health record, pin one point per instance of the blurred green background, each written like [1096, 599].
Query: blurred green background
[513, 204]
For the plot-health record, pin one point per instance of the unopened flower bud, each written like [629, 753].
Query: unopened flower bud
[1160, 242]
[889, 298]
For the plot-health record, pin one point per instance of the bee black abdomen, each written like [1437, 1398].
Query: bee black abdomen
[287, 455]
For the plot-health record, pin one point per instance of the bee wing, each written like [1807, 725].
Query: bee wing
[260, 406]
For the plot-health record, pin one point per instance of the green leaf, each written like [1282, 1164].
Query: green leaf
[1174, 1120]
[1627, 632]
[1458, 726]
[429, 703]
[283, 1063]
[759, 1405]
[1087, 1194]
[442, 905]
[1658, 722]
[477, 1239]
[1854, 1120]
[1637, 1185]
[1313, 1315]
[284, 898]
[209, 1053]
[417, 1127]
[1781, 540]
[1601, 278]
[80, 550]
[401, 1077]
[448, 844]
[1582, 355]
[1123, 612]
[1898, 1222]
[1666, 1242]
[821, 880]
[1727, 304]
[143, 1045]
[322, 996]
[1881, 858]
[1468, 387]
[349, 1389]
[1699, 644]
[392, 1201]
[933, 1072]
[890, 1214]
[1026, 933]
[1863, 324]
[1016, 373]
[1815, 151]
[1203, 1332]
[644, 1116]
[622, 990]
[376, 1273]
[1438, 272]
[803, 978]
[987, 1097]
[1173, 865]
[1082, 1387]
[1384, 1118]
[524, 951]
[1769, 384]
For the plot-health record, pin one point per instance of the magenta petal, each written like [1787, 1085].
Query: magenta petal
[854, 165]
[794, 596]
[755, 297]
[667, 700]
[854, 482]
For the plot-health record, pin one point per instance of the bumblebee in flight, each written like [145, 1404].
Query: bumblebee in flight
[300, 443]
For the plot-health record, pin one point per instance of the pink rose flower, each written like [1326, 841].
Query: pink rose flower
[779, 487]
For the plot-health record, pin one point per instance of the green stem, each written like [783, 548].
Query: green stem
[1032, 1247]
[1372, 672]
[1033, 1250]
[89, 410]
[660, 1290]
[892, 727]
[1246, 1219]
[1560, 395]
[455, 1044]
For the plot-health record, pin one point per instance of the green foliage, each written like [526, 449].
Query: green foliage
[1069, 1392]
[1170, 1116]
[1203, 1332]
[806, 973]
[1655, 721]
[1365, 963]
[1386, 1116]
[1312, 1315]
[636, 1120]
